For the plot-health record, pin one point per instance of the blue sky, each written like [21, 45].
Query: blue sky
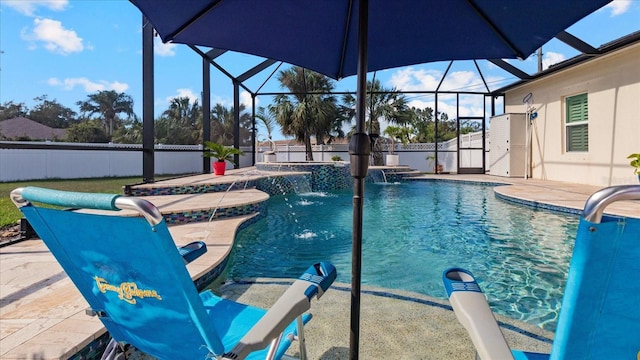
[68, 49]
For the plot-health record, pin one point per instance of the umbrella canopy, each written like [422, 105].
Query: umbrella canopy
[339, 38]
[322, 35]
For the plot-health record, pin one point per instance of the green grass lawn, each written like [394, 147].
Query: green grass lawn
[9, 213]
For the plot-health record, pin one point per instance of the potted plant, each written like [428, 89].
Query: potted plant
[437, 168]
[222, 153]
[635, 163]
[395, 133]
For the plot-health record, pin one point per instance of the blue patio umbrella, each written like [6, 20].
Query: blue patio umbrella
[340, 38]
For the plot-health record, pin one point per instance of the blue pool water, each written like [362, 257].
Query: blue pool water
[412, 232]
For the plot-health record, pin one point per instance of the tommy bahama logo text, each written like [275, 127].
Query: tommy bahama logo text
[127, 291]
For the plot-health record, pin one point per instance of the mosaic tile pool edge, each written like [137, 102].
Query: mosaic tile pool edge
[319, 177]
[189, 189]
[186, 217]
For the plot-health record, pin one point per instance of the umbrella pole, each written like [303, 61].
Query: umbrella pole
[359, 151]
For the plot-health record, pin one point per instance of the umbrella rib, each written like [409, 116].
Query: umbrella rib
[191, 21]
[343, 54]
[498, 32]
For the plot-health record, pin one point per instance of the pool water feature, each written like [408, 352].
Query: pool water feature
[412, 232]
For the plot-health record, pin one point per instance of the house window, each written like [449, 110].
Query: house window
[576, 126]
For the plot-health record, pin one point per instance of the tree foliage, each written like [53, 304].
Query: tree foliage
[130, 133]
[268, 118]
[382, 104]
[51, 113]
[180, 124]
[10, 110]
[108, 105]
[90, 131]
[223, 123]
[310, 110]
[424, 126]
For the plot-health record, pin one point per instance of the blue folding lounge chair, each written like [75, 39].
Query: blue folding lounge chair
[133, 277]
[600, 316]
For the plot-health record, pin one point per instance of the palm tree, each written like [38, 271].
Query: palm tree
[108, 103]
[309, 110]
[382, 104]
[130, 133]
[183, 110]
[180, 123]
[223, 123]
[267, 116]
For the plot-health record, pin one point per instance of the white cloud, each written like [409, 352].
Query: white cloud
[462, 80]
[618, 7]
[217, 99]
[469, 106]
[162, 49]
[88, 85]
[183, 92]
[55, 37]
[245, 99]
[29, 7]
[551, 58]
[410, 79]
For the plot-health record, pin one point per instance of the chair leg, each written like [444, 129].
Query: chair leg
[114, 351]
[301, 340]
[273, 348]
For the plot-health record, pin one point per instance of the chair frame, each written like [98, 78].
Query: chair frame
[267, 331]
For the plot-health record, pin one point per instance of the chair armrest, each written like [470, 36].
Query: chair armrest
[79, 200]
[192, 251]
[293, 303]
[67, 199]
[473, 312]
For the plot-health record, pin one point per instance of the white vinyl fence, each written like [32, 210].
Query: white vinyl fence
[47, 160]
[50, 160]
[417, 156]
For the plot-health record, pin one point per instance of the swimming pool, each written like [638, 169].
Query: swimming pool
[412, 232]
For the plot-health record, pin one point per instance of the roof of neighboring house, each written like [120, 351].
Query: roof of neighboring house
[607, 48]
[22, 127]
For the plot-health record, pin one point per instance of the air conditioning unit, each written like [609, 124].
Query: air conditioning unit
[508, 141]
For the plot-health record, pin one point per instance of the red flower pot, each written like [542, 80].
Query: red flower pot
[219, 167]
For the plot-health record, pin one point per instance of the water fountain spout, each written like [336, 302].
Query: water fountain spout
[269, 155]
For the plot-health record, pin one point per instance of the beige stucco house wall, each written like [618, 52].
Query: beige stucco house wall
[612, 84]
